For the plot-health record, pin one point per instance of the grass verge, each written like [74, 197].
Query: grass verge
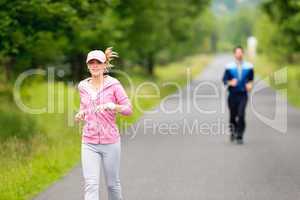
[266, 68]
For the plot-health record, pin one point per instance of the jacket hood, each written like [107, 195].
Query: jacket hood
[108, 81]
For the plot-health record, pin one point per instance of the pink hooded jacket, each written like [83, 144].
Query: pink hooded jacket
[100, 127]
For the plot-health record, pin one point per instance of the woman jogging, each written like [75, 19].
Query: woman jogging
[101, 97]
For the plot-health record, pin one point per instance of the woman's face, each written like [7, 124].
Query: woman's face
[96, 68]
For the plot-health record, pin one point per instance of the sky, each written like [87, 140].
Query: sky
[221, 7]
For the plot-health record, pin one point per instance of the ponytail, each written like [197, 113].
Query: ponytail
[110, 55]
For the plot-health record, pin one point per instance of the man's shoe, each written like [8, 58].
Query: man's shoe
[232, 137]
[239, 141]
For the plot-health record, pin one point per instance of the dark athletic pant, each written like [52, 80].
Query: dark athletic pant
[237, 105]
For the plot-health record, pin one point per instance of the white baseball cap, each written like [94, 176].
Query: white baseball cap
[96, 54]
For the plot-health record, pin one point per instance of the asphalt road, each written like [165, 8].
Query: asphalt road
[186, 155]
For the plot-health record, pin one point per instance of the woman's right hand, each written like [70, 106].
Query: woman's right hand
[79, 116]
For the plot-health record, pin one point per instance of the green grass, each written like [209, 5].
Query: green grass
[32, 163]
[266, 68]
[36, 150]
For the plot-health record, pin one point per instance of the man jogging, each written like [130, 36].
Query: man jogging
[238, 76]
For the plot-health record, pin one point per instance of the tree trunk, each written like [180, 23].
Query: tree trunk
[77, 66]
[290, 58]
[150, 64]
[8, 64]
[214, 41]
[119, 64]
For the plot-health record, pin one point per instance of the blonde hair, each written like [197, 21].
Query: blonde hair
[110, 55]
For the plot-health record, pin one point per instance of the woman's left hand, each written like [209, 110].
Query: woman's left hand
[110, 106]
[107, 106]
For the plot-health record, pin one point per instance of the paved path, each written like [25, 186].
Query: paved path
[201, 164]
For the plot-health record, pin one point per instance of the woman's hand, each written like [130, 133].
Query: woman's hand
[106, 106]
[79, 116]
[110, 106]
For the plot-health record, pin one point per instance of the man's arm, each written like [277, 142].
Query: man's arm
[225, 77]
[250, 79]
[228, 79]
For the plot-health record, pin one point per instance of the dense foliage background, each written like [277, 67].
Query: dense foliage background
[38, 33]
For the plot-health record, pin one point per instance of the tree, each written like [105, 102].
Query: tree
[31, 32]
[286, 14]
[37, 33]
[158, 26]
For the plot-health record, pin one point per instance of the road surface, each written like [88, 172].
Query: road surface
[194, 159]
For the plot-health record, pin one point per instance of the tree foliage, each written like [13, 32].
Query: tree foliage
[38, 33]
[285, 14]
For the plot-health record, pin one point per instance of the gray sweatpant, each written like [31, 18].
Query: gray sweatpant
[91, 157]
